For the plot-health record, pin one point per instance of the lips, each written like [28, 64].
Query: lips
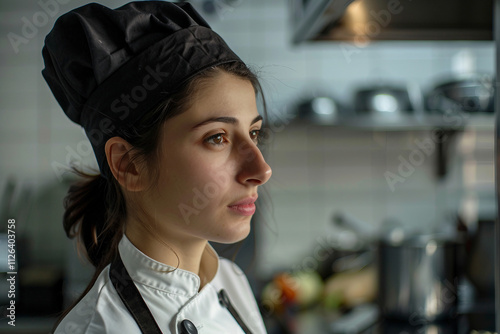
[244, 207]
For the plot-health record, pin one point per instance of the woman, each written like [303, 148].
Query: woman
[171, 114]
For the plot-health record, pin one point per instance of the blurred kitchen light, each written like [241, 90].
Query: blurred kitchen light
[385, 103]
[324, 106]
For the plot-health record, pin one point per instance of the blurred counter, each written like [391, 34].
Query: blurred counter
[313, 322]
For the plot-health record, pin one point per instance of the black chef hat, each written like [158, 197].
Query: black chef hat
[107, 67]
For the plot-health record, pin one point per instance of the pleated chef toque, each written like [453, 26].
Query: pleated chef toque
[108, 67]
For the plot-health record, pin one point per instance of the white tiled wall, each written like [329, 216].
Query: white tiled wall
[316, 171]
[319, 171]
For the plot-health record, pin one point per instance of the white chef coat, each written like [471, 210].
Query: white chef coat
[171, 297]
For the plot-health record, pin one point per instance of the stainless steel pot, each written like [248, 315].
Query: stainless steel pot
[417, 274]
[480, 263]
[472, 94]
[383, 99]
[319, 109]
[418, 278]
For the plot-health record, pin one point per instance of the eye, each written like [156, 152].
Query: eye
[256, 136]
[217, 140]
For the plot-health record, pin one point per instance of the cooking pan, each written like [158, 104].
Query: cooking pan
[383, 99]
[417, 275]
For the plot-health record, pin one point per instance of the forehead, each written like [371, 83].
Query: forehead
[222, 95]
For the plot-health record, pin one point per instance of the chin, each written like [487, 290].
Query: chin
[233, 236]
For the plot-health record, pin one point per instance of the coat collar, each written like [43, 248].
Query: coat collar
[155, 274]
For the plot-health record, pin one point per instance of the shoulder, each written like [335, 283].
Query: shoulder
[228, 267]
[231, 276]
[99, 311]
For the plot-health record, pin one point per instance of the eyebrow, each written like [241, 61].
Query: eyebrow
[225, 119]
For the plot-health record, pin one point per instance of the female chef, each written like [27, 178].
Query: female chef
[171, 114]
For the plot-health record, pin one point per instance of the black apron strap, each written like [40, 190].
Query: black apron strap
[132, 298]
[226, 302]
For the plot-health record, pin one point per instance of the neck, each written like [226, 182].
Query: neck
[185, 253]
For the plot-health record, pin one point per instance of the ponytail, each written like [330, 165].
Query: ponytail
[90, 216]
[94, 213]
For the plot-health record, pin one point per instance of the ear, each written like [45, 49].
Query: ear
[125, 170]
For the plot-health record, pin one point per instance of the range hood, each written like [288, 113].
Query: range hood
[366, 20]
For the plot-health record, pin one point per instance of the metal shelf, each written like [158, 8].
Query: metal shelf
[410, 122]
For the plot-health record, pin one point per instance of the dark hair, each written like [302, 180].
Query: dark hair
[95, 207]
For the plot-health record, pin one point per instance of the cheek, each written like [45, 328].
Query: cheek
[199, 180]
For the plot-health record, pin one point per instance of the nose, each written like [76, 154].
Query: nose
[254, 169]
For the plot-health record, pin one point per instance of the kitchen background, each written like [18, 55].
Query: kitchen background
[317, 170]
